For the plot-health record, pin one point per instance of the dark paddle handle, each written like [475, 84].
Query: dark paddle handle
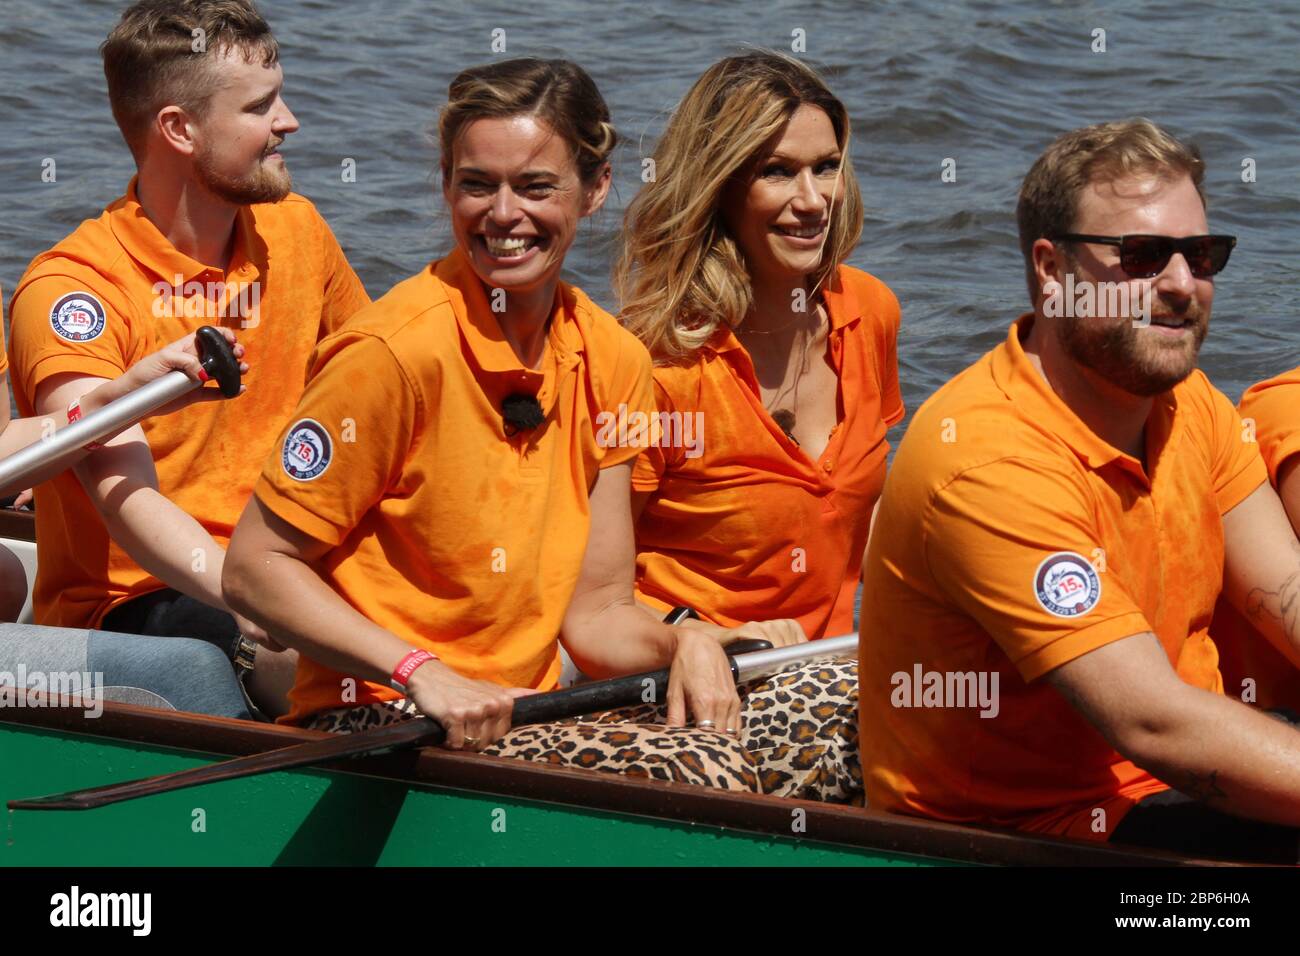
[747, 645]
[681, 613]
[218, 359]
[596, 696]
[650, 688]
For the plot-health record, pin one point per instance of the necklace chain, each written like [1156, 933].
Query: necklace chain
[749, 331]
[785, 417]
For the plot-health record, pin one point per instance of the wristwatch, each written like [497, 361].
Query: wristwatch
[244, 657]
[681, 613]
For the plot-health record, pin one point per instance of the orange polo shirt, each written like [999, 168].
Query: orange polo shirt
[105, 297]
[1270, 409]
[447, 532]
[1012, 540]
[741, 525]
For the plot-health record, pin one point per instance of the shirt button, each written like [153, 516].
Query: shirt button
[827, 467]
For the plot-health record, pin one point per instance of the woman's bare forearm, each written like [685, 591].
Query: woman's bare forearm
[625, 637]
[286, 596]
[22, 432]
[164, 540]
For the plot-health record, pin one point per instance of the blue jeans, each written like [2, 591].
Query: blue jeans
[167, 673]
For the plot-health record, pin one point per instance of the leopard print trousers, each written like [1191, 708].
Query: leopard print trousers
[799, 737]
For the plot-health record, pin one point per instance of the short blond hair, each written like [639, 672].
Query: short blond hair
[1049, 196]
[161, 53]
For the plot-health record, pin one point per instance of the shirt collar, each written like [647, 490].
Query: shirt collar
[842, 305]
[842, 309]
[1034, 397]
[153, 251]
[491, 352]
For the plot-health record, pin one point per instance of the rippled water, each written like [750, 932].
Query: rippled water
[987, 84]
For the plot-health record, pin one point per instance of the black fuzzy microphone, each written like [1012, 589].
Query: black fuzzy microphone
[521, 412]
[784, 419]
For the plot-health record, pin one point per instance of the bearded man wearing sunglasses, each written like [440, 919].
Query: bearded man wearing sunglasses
[1058, 524]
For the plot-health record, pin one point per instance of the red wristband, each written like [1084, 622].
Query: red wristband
[406, 667]
[74, 414]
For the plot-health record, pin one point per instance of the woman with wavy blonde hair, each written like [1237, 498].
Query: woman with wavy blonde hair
[776, 374]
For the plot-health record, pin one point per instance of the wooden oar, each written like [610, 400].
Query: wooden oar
[537, 708]
[218, 360]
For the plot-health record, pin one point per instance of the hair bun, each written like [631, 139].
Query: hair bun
[608, 139]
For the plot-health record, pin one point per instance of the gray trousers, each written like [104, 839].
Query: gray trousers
[168, 673]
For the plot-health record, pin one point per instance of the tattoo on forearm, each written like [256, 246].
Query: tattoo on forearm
[1202, 787]
[1281, 605]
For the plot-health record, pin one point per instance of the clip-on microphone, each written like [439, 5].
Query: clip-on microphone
[521, 412]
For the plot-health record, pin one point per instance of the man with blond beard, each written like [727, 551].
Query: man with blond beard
[207, 233]
[1058, 524]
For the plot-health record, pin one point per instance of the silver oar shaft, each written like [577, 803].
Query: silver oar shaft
[761, 663]
[127, 410]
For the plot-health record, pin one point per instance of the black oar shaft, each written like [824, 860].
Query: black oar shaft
[650, 687]
[336, 747]
[590, 698]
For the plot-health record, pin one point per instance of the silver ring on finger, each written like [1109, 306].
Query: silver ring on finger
[706, 725]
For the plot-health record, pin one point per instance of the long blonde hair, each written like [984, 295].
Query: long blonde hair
[681, 275]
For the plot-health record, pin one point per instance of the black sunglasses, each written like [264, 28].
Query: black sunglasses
[1142, 257]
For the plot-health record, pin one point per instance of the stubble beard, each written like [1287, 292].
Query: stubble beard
[1131, 358]
[265, 184]
[1136, 359]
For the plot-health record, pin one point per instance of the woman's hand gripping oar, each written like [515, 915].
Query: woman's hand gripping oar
[536, 708]
[215, 355]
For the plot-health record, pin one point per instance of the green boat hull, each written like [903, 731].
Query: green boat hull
[321, 818]
[428, 807]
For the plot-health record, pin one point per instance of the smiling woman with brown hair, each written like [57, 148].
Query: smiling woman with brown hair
[441, 507]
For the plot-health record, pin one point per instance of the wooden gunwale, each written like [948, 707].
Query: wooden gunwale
[18, 525]
[594, 791]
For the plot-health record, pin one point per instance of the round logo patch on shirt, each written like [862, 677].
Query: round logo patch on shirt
[307, 450]
[78, 317]
[1066, 585]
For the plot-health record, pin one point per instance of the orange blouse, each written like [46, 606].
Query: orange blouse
[740, 524]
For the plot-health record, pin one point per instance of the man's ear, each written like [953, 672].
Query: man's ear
[1050, 262]
[176, 127]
